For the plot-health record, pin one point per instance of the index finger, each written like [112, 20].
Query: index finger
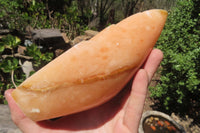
[153, 62]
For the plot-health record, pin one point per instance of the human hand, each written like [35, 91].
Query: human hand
[121, 114]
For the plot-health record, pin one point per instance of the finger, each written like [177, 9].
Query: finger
[17, 115]
[153, 62]
[134, 108]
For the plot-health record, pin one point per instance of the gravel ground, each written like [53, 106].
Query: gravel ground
[187, 123]
[6, 124]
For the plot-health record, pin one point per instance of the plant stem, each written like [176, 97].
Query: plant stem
[12, 78]
[17, 55]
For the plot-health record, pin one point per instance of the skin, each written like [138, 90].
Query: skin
[121, 114]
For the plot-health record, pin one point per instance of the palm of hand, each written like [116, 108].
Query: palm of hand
[120, 115]
[105, 118]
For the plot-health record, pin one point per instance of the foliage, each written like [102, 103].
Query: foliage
[7, 7]
[71, 16]
[9, 42]
[180, 42]
[11, 73]
[76, 24]
[157, 4]
[39, 58]
[18, 14]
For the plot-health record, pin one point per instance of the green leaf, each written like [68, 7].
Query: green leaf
[33, 2]
[2, 48]
[9, 64]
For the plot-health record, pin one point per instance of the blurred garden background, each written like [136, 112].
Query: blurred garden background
[175, 87]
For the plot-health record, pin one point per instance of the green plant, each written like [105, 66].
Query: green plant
[8, 64]
[11, 16]
[9, 42]
[18, 14]
[39, 58]
[180, 42]
[76, 25]
[11, 74]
